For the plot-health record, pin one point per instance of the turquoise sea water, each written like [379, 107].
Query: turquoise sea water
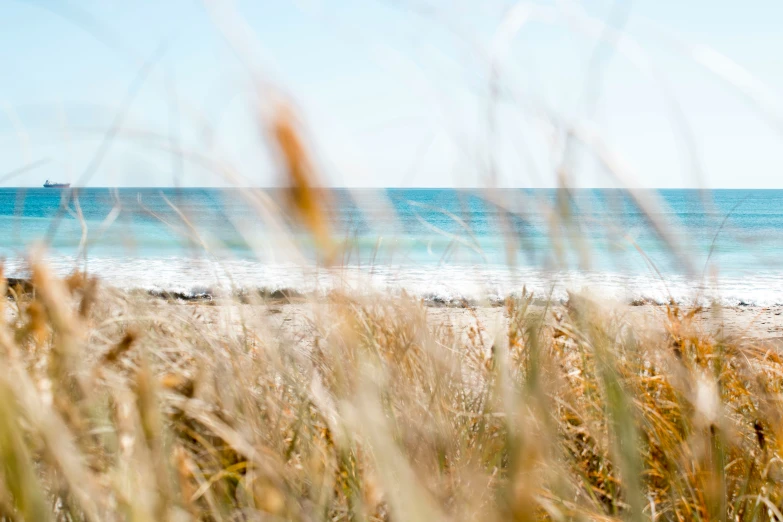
[441, 244]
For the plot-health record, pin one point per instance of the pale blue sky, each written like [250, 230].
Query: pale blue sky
[394, 92]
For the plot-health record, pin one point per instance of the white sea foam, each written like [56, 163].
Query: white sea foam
[446, 283]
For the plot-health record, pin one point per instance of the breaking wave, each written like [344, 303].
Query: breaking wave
[444, 284]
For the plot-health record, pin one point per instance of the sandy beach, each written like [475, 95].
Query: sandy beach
[295, 320]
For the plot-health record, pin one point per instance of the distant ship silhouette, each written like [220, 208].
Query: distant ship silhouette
[52, 184]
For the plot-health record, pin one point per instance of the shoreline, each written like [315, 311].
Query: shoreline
[195, 277]
[283, 294]
[744, 320]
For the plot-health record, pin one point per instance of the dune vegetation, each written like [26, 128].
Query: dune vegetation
[126, 406]
[116, 406]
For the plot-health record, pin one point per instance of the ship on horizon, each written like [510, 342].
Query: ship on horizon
[54, 184]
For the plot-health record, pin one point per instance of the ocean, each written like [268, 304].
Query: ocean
[444, 245]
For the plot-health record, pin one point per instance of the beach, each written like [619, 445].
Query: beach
[295, 320]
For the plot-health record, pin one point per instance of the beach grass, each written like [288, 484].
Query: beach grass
[121, 406]
[129, 406]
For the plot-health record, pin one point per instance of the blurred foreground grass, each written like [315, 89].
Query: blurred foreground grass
[122, 407]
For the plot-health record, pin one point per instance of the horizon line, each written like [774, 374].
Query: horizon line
[344, 187]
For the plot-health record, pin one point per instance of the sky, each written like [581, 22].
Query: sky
[394, 93]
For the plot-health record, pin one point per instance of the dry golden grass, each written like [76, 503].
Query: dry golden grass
[120, 407]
